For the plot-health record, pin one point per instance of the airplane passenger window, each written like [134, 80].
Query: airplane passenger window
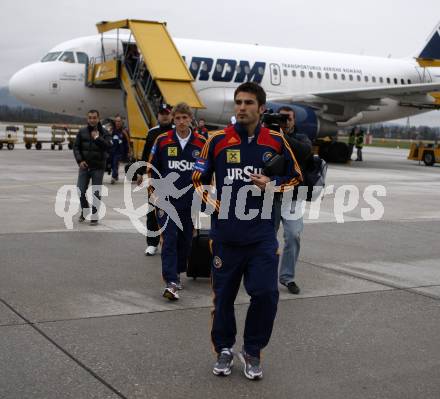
[319, 75]
[366, 78]
[343, 76]
[373, 79]
[67, 56]
[350, 77]
[303, 74]
[83, 58]
[293, 73]
[327, 75]
[409, 81]
[395, 81]
[51, 57]
[285, 72]
[381, 79]
[310, 74]
[359, 78]
[402, 81]
[388, 80]
[335, 76]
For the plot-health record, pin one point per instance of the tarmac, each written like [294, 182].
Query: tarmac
[82, 316]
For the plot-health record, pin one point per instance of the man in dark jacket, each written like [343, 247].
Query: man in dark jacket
[91, 148]
[164, 118]
[292, 224]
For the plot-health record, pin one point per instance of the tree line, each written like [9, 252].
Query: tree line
[32, 115]
[405, 132]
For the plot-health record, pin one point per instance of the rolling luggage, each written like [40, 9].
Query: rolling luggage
[200, 259]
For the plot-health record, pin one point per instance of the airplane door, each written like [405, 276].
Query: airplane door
[424, 75]
[275, 74]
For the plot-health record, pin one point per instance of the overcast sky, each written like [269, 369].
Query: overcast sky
[372, 27]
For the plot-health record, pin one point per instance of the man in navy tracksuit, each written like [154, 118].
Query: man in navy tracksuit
[172, 158]
[242, 229]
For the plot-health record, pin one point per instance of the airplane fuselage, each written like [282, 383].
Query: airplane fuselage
[218, 68]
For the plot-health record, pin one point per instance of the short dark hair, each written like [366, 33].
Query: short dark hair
[287, 109]
[93, 111]
[254, 88]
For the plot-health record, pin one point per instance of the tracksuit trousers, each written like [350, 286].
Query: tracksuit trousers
[176, 244]
[257, 264]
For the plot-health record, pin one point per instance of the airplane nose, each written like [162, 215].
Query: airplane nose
[21, 84]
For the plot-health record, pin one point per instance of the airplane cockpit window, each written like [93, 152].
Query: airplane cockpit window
[83, 58]
[67, 56]
[51, 57]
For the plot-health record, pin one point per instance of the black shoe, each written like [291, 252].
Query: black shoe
[293, 288]
[93, 223]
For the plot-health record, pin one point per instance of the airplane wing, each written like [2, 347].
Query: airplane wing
[414, 94]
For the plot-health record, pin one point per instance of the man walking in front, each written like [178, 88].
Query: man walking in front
[91, 148]
[243, 246]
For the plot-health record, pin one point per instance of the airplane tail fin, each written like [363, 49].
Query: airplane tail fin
[430, 55]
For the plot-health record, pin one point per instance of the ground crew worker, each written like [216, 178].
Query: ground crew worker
[175, 152]
[352, 141]
[164, 119]
[242, 245]
[90, 149]
[359, 144]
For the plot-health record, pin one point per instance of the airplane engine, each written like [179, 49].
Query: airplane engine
[307, 121]
[320, 131]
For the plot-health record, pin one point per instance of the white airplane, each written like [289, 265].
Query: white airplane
[327, 90]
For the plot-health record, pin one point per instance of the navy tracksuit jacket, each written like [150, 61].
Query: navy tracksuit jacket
[243, 248]
[167, 157]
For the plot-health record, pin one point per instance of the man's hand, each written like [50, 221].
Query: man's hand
[260, 180]
[95, 134]
[83, 165]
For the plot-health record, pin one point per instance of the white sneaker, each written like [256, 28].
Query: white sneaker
[151, 251]
[171, 292]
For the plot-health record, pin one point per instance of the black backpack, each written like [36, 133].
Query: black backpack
[314, 174]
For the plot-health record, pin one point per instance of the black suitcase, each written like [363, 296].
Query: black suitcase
[200, 259]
